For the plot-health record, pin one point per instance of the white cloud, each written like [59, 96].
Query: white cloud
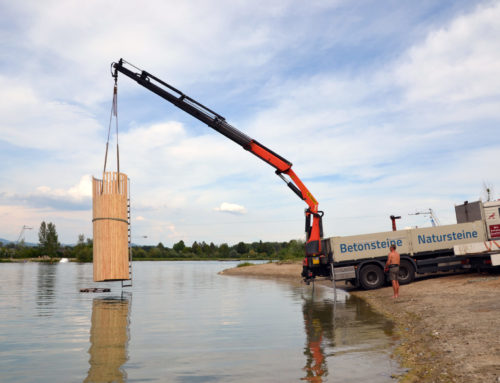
[173, 233]
[195, 41]
[79, 192]
[169, 167]
[83, 189]
[232, 208]
[29, 120]
[456, 62]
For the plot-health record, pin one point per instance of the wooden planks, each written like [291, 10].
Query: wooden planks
[110, 226]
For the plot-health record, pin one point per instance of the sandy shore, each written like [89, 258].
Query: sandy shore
[449, 327]
[272, 270]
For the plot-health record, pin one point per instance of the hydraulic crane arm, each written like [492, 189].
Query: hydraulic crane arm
[314, 231]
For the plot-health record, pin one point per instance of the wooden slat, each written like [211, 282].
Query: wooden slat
[109, 213]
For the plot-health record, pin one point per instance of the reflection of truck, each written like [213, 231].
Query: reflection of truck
[474, 242]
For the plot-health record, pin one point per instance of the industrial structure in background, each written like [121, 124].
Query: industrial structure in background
[21, 234]
[434, 219]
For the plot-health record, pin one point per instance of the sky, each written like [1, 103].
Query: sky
[383, 107]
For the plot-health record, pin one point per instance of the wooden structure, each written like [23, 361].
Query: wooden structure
[111, 226]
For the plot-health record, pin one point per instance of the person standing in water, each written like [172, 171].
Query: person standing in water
[392, 265]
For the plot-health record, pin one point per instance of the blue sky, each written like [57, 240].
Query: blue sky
[383, 107]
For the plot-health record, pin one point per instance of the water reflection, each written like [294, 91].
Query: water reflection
[109, 337]
[45, 293]
[336, 327]
[220, 328]
[319, 319]
[360, 323]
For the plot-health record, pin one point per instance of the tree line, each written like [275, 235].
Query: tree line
[49, 248]
[293, 249]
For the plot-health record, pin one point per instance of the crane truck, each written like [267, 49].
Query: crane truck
[472, 243]
[318, 259]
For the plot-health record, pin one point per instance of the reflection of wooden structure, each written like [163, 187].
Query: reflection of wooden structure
[111, 227]
[109, 336]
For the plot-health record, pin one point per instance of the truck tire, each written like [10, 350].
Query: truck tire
[406, 272]
[371, 277]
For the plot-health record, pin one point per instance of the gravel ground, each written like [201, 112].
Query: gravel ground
[449, 327]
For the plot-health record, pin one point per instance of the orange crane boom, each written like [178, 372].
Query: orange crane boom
[314, 230]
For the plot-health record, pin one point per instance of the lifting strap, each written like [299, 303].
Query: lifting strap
[114, 112]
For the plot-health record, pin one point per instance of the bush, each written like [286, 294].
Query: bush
[244, 264]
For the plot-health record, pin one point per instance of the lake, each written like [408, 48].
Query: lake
[182, 322]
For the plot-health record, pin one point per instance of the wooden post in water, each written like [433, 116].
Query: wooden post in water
[110, 226]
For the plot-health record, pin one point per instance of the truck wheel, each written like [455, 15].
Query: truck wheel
[406, 272]
[371, 277]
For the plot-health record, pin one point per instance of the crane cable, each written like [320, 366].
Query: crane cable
[114, 112]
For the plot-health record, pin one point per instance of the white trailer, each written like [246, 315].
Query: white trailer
[360, 259]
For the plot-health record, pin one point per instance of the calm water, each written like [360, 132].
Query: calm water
[182, 322]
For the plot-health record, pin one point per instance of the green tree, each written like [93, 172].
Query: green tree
[269, 249]
[42, 234]
[196, 248]
[213, 248]
[293, 250]
[224, 250]
[241, 248]
[138, 252]
[48, 238]
[205, 249]
[22, 252]
[163, 250]
[179, 246]
[83, 250]
[155, 252]
[81, 240]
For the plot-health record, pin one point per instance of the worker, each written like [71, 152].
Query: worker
[392, 266]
